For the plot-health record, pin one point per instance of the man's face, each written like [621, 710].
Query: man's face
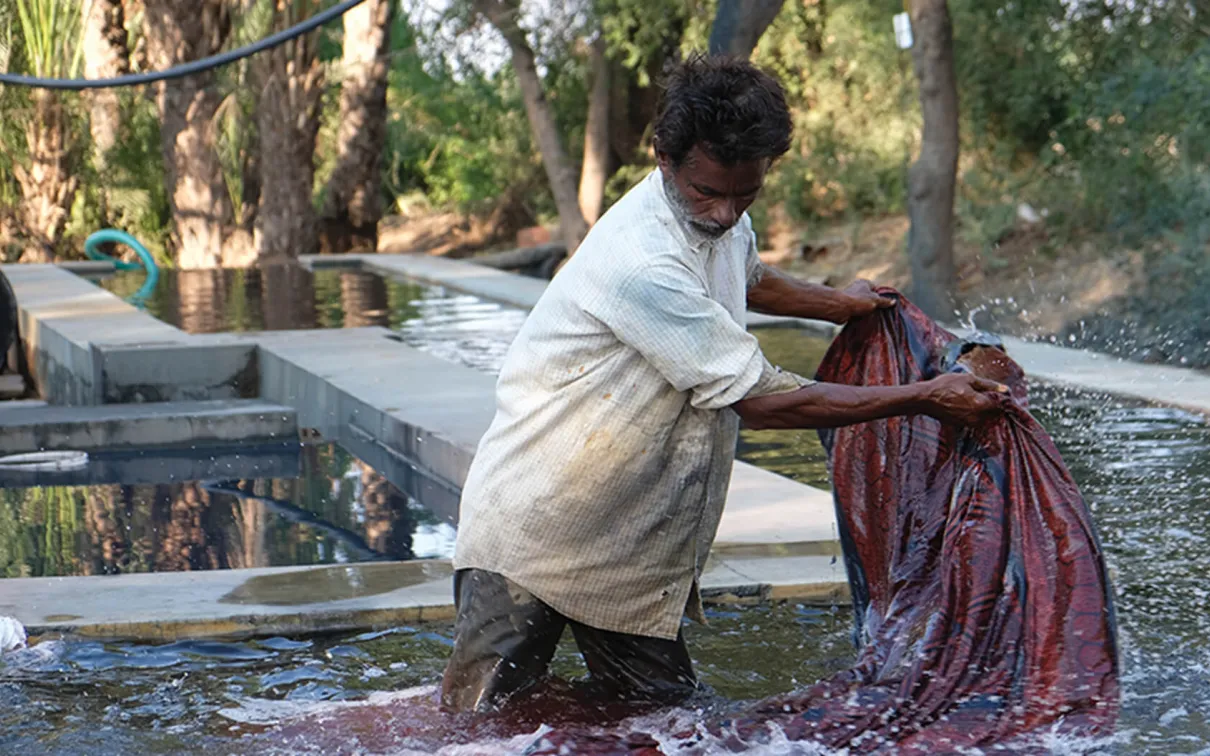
[712, 196]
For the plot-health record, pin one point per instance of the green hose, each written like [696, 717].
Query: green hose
[147, 260]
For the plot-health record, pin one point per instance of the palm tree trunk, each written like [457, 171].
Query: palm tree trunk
[105, 56]
[353, 201]
[202, 215]
[287, 116]
[48, 185]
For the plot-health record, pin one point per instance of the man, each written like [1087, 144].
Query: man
[595, 494]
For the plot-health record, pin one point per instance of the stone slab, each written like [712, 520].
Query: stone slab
[62, 315]
[395, 407]
[30, 429]
[1180, 387]
[297, 600]
[1177, 387]
[769, 509]
[217, 366]
[12, 386]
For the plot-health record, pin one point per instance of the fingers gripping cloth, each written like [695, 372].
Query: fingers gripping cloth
[983, 607]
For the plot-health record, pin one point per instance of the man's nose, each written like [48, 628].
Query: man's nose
[724, 214]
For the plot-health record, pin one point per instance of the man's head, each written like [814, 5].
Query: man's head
[722, 122]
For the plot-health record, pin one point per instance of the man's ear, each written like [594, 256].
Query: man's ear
[661, 157]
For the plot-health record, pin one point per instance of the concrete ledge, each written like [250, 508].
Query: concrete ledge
[299, 600]
[1177, 387]
[413, 416]
[219, 366]
[488, 283]
[138, 425]
[62, 316]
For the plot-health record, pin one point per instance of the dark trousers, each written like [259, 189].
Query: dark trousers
[504, 638]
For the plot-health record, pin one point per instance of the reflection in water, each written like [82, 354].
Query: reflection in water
[363, 298]
[339, 510]
[287, 298]
[454, 326]
[1145, 473]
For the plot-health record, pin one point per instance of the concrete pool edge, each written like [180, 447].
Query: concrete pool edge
[171, 606]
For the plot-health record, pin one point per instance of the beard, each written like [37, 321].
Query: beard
[681, 208]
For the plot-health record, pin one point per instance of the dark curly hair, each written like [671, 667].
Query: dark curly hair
[730, 108]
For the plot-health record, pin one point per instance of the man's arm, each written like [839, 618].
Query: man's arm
[958, 398]
[777, 293]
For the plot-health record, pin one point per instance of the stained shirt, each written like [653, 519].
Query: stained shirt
[601, 481]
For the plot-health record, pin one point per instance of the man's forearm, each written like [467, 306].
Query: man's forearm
[831, 405]
[779, 294]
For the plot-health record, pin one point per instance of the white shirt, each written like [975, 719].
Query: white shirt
[600, 483]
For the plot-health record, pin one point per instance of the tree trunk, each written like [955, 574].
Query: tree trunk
[560, 172]
[739, 24]
[201, 206]
[105, 56]
[595, 170]
[290, 81]
[48, 185]
[931, 178]
[354, 192]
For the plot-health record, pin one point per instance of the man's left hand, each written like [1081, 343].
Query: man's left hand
[863, 299]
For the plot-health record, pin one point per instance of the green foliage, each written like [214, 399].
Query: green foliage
[459, 137]
[134, 193]
[638, 30]
[1094, 111]
[52, 32]
[854, 113]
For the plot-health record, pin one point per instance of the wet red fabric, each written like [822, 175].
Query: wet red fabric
[982, 601]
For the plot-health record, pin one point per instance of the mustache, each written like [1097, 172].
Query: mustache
[710, 228]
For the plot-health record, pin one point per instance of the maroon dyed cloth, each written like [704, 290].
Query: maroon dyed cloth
[983, 607]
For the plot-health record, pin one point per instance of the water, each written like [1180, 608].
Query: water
[178, 510]
[455, 326]
[1144, 471]
[119, 697]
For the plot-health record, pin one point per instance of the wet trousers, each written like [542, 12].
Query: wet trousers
[504, 638]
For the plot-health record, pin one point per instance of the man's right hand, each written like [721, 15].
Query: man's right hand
[963, 399]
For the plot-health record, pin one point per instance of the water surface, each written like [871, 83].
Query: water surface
[452, 325]
[300, 505]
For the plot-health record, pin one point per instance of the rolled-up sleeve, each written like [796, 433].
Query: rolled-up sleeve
[664, 312]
